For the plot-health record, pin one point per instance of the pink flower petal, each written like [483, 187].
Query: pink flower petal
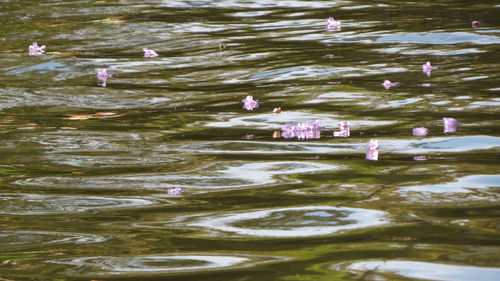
[249, 103]
[344, 130]
[421, 131]
[372, 150]
[450, 125]
[174, 191]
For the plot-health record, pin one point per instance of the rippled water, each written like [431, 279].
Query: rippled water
[85, 170]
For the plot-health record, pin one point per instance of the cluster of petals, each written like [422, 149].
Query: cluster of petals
[310, 129]
[174, 191]
[35, 50]
[372, 150]
[303, 131]
[450, 124]
[249, 103]
[427, 68]
[344, 130]
[388, 84]
[420, 131]
[332, 24]
[148, 53]
[103, 75]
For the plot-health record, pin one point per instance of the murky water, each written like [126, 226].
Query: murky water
[85, 170]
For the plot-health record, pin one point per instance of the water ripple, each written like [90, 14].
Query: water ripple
[39, 204]
[212, 177]
[292, 222]
[441, 144]
[103, 265]
[439, 38]
[275, 121]
[79, 97]
[18, 239]
[254, 4]
[460, 185]
[135, 158]
[422, 270]
[257, 147]
[68, 141]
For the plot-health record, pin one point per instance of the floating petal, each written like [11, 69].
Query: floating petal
[372, 150]
[421, 131]
[450, 125]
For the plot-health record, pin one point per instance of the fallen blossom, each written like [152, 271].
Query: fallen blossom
[450, 125]
[174, 191]
[277, 110]
[288, 131]
[344, 130]
[332, 24]
[420, 131]
[148, 53]
[313, 125]
[372, 150]
[476, 23]
[249, 103]
[308, 130]
[427, 68]
[103, 76]
[35, 50]
[388, 84]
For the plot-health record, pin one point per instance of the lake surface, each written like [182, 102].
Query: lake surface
[85, 170]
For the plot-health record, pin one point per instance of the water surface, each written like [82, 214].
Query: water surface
[85, 170]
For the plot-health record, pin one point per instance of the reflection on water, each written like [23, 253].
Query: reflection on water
[461, 185]
[38, 204]
[440, 144]
[293, 222]
[232, 175]
[155, 264]
[439, 38]
[18, 239]
[85, 170]
[423, 270]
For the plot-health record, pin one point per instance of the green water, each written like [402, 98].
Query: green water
[85, 169]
